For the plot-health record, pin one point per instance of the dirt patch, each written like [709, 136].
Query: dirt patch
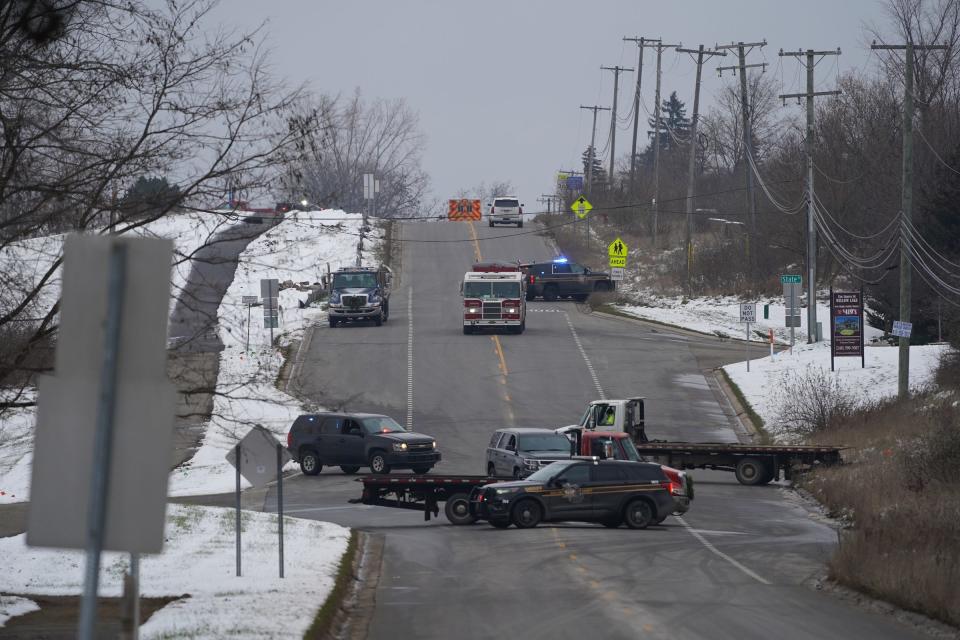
[58, 615]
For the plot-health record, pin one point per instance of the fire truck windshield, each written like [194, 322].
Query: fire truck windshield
[491, 290]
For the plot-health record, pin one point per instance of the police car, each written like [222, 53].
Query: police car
[561, 278]
[583, 489]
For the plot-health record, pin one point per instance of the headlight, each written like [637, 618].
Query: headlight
[399, 446]
[434, 444]
[473, 310]
[530, 464]
[373, 298]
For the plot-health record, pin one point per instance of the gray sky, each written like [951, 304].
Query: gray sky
[498, 84]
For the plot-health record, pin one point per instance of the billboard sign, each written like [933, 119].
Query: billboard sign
[846, 323]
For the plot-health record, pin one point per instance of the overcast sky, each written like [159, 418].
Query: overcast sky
[498, 84]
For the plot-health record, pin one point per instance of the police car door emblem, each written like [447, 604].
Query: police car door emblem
[573, 493]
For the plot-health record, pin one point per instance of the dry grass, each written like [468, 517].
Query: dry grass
[900, 498]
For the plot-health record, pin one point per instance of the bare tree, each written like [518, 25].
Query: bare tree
[123, 90]
[343, 138]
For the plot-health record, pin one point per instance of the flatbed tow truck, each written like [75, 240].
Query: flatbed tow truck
[753, 464]
[424, 493]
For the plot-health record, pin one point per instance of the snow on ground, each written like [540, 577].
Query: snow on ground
[770, 379]
[299, 249]
[25, 263]
[721, 315]
[12, 606]
[257, 605]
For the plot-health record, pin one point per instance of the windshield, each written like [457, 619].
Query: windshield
[381, 424]
[545, 442]
[506, 203]
[354, 281]
[599, 447]
[549, 471]
[491, 290]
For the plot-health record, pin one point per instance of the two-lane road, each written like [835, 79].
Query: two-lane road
[735, 566]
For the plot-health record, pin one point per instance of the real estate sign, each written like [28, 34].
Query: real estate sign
[846, 324]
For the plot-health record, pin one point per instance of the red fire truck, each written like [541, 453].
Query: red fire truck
[494, 296]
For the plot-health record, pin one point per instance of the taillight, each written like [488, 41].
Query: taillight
[533, 279]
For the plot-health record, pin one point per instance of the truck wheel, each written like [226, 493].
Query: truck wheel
[378, 463]
[457, 509]
[500, 524]
[378, 321]
[349, 469]
[310, 463]
[752, 472]
[421, 470]
[333, 322]
[638, 514]
[520, 225]
[550, 293]
[526, 514]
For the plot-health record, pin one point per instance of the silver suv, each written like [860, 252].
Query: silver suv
[506, 210]
[517, 452]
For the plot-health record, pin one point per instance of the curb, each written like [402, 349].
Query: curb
[358, 597]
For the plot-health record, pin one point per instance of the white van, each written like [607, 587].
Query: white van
[506, 210]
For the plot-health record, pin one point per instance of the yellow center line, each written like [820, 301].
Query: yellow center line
[499, 350]
[476, 243]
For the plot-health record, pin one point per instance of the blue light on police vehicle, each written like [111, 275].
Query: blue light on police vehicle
[560, 260]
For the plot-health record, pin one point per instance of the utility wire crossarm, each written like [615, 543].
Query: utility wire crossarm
[743, 50]
[906, 206]
[808, 60]
[699, 52]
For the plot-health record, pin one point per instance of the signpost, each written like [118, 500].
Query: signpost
[846, 325]
[250, 301]
[270, 293]
[791, 296]
[748, 315]
[617, 252]
[902, 329]
[259, 457]
[107, 413]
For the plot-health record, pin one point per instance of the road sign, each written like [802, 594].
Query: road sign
[269, 289]
[748, 312]
[902, 329]
[575, 183]
[616, 273]
[249, 300]
[617, 249]
[791, 279]
[68, 418]
[258, 451]
[581, 206]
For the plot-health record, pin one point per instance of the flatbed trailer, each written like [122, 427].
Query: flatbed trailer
[752, 464]
[424, 493]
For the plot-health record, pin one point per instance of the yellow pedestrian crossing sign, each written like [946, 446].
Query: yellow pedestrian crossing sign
[581, 206]
[617, 251]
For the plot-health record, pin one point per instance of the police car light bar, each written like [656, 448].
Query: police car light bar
[560, 260]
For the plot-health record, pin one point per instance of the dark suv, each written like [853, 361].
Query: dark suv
[610, 492]
[561, 279]
[356, 440]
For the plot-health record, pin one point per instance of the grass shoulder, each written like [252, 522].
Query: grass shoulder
[323, 621]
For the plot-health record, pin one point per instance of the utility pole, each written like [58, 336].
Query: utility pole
[691, 170]
[810, 94]
[593, 139]
[613, 115]
[656, 141]
[743, 49]
[906, 204]
[642, 43]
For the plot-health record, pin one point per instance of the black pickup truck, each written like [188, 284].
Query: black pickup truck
[561, 278]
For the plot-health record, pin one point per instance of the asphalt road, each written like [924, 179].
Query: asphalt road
[739, 564]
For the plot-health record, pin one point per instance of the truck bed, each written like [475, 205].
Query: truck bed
[731, 447]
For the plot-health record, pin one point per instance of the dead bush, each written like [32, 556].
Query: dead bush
[947, 375]
[813, 400]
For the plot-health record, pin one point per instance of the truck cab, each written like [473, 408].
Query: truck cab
[494, 297]
[359, 293]
[625, 416]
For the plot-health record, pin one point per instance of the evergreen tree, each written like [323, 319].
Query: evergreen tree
[673, 119]
[599, 173]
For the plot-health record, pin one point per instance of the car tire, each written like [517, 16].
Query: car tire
[333, 322]
[378, 463]
[421, 470]
[310, 463]
[499, 524]
[639, 514]
[349, 469]
[457, 509]
[550, 293]
[378, 321]
[491, 470]
[753, 472]
[526, 514]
